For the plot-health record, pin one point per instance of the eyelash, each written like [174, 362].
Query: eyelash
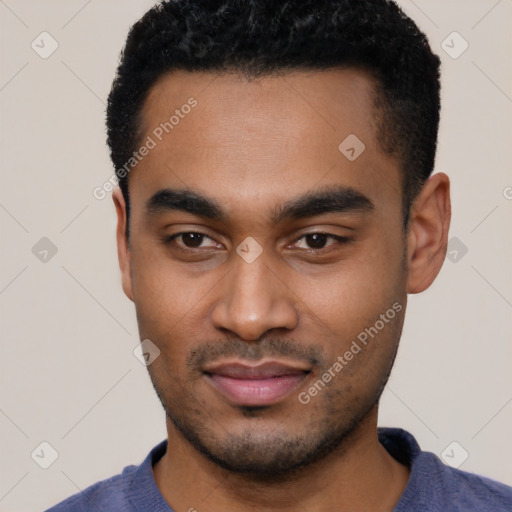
[342, 240]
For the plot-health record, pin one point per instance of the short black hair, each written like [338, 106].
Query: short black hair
[264, 37]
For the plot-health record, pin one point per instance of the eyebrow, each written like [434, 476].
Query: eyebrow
[184, 200]
[337, 199]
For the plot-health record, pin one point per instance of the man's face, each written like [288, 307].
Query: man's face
[243, 335]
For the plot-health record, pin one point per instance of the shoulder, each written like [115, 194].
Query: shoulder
[464, 491]
[436, 487]
[107, 494]
[130, 490]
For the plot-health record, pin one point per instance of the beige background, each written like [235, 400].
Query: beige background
[67, 371]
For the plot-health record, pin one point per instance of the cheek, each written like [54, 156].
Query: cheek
[164, 292]
[167, 305]
[352, 294]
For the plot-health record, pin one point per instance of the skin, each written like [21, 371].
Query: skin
[253, 145]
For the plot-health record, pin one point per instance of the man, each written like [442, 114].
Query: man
[276, 206]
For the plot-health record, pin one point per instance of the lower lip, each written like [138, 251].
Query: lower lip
[251, 392]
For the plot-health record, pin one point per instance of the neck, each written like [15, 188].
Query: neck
[359, 475]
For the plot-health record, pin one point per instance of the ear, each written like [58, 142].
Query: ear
[123, 248]
[428, 233]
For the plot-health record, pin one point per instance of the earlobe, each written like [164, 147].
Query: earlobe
[123, 250]
[428, 233]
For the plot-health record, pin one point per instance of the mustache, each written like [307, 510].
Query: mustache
[254, 350]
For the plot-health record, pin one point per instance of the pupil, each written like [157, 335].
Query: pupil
[316, 241]
[195, 239]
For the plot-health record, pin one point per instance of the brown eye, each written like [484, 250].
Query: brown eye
[192, 240]
[189, 240]
[318, 241]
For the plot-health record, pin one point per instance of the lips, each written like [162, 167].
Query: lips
[256, 385]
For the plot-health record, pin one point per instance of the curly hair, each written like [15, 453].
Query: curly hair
[263, 37]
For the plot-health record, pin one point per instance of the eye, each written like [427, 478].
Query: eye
[190, 240]
[318, 241]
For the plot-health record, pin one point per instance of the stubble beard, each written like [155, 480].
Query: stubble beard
[285, 454]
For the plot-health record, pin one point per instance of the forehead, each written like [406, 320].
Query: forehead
[262, 140]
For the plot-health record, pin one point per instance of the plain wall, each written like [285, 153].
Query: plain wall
[68, 375]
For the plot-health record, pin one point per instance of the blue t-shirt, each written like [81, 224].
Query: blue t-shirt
[432, 486]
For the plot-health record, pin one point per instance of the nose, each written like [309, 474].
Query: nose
[252, 300]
